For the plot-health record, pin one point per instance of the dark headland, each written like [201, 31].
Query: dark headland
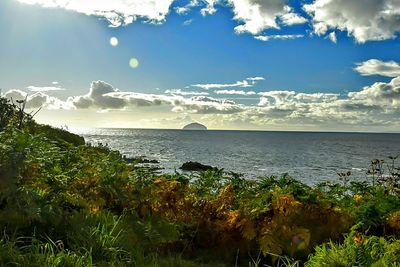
[194, 126]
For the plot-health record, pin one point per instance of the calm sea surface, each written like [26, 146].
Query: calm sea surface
[309, 157]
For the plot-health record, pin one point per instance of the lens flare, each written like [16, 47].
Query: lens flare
[134, 63]
[114, 41]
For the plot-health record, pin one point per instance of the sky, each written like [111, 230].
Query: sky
[312, 65]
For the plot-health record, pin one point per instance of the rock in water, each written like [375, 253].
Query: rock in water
[195, 166]
[195, 126]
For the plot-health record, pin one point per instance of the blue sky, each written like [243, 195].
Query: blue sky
[45, 47]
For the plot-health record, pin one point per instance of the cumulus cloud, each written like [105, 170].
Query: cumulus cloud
[37, 100]
[364, 20]
[291, 18]
[248, 82]
[15, 94]
[255, 16]
[266, 38]
[374, 104]
[116, 12]
[380, 92]
[104, 96]
[378, 104]
[259, 15]
[98, 97]
[208, 7]
[378, 67]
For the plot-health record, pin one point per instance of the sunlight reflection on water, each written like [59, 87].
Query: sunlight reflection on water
[310, 157]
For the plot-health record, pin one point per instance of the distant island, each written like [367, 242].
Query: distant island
[194, 126]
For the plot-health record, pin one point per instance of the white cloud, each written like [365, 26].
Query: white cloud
[255, 16]
[234, 92]
[182, 10]
[208, 86]
[140, 99]
[387, 94]
[44, 88]
[117, 12]
[365, 20]
[208, 7]
[184, 93]
[316, 97]
[37, 100]
[259, 15]
[248, 82]
[187, 22]
[374, 104]
[291, 18]
[207, 105]
[15, 94]
[378, 67]
[277, 97]
[195, 104]
[257, 78]
[104, 96]
[97, 97]
[332, 37]
[266, 38]
[378, 104]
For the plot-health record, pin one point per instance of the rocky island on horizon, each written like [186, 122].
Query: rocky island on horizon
[194, 126]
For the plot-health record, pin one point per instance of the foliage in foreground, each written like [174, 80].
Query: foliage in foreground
[358, 250]
[63, 203]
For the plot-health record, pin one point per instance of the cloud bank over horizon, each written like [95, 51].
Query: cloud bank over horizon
[374, 105]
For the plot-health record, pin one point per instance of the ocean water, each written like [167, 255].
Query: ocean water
[308, 156]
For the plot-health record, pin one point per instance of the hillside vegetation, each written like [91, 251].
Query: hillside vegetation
[64, 203]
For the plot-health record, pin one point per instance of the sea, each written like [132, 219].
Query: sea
[310, 157]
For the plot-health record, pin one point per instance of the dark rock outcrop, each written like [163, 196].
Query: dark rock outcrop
[195, 166]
